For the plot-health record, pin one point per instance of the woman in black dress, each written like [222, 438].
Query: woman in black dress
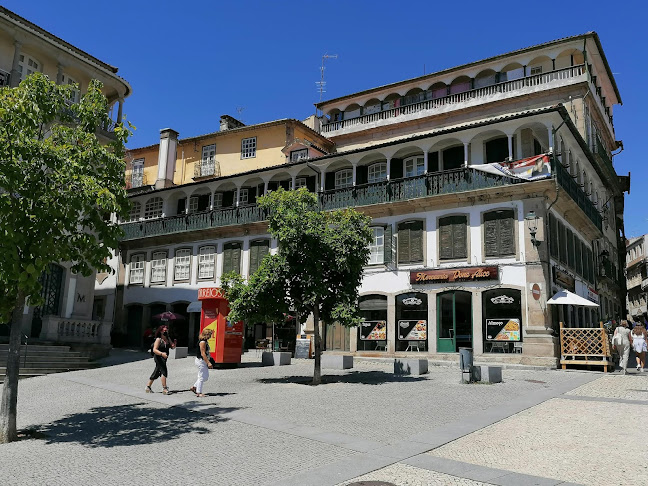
[160, 351]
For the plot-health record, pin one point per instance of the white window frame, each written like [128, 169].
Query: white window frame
[208, 160]
[206, 262]
[76, 93]
[136, 274]
[135, 211]
[25, 59]
[299, 183]
[193, 204]
[153, 208]
[533, 70]
[137, 174]
[297, 155]
[182, 264]
[217, 200]
[377, 246]
[158, 267]
[248, 148]
[343, 178]
[377, 172]
[414, 166]
[244, 196]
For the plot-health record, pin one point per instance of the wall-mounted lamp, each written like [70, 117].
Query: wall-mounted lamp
[532, 225]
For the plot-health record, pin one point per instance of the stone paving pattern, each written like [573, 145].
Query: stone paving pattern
[405, 475]
[258, 425]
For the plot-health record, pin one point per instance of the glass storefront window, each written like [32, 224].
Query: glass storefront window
[372, 332]
[411, 321]
[502, 326]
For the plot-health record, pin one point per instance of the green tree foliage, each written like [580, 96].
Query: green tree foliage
[58, 187]
[317, 270]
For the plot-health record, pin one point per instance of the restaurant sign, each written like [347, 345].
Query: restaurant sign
[466, 274]
[373, 331]
[502, 329]
[412, 330]
[564, 280]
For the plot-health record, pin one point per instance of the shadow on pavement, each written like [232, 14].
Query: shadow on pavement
[127, 425]
[121, 356]
[358, 377]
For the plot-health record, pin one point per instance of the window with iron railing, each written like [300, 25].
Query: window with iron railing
[208, 161]
[137, 175]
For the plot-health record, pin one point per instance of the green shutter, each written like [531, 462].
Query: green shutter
[459, 236]
[416, 242]
[227, 260]
[236, 257]
[562, 242]
[506, 234]
[445, 239]
[578, 256]
[254, 258]
[490, 235]
[388, 244]
[570, 249]
[403, 243]
[553, 236]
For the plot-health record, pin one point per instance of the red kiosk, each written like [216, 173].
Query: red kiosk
[226, 343]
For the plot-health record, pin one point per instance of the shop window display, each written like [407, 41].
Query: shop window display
[502, 315]
[372, 331]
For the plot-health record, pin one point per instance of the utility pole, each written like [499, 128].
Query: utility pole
[321, 84]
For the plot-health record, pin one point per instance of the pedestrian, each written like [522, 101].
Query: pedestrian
[160, 351]
[202, 361]
[639, 344]
[621, 342]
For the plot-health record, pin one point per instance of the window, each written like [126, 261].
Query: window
[182, 261]
[153, 208]
[300, 182]
[377, 172]
[248, 148]
[452, 238]
[232, 257]
[137, 269]
[74, 95]
[535, 70]
[343, 178]
[297, 155]
[218, 200]
[137, 174]
[208, 161]
[158, 267]
[553, 236]
[499, 233]
[193, 204]
[27, 66]
[414, 166]
[410, 242]
[377, 246]
[258, 250]
[244, 197]
[206, 256]
[135, 210]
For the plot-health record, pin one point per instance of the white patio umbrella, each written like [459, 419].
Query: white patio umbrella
[565, 297]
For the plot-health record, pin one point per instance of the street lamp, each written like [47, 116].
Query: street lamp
[532, 225]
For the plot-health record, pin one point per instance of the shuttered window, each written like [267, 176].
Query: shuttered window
[578, 256]
[389, 247]
[410, 242]
[499, 233]
[258, 250]
[562, 243]
[553, 236]
[452, 238]
[570, 249]
[232, 257]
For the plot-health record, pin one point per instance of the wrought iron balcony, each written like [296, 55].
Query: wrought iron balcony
[577, 194]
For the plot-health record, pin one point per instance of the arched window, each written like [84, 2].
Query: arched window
[135, 211]
[377, 172]
[153, 208]
[343, 178]
[372, 331]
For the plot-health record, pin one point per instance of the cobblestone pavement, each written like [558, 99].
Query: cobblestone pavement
[260, 425]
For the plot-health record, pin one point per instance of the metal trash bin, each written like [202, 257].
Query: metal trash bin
[466, 364]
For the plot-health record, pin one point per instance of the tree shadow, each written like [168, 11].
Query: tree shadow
[354, 377]
[128, 425]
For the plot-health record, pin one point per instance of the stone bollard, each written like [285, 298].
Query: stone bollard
[410, 366]
[178, 352]
[273, 358]
[487, 374]
[337, 362]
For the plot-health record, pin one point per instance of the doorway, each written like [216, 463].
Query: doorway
[454, 318]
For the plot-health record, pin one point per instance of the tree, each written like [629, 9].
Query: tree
[58, 187]
[317, 270]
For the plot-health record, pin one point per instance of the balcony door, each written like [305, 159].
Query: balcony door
[454, 321]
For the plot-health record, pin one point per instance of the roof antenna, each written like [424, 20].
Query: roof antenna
[321, 84]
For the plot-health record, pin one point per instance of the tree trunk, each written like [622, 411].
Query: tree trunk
[9, 403]
[317, 372]
[324, 335]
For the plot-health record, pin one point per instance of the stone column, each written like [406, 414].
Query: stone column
[425, 162]
[322, 179]
[432, 322]
[388, 168]
[355, 166]
[550, 138]
[510, 146]
[120, 109]
[465, 154]
[238, 196]
[59, 73]
[166, 158]
[15, 66]
[265, 188]
[391, 324]
[477, 318]
[293, 181]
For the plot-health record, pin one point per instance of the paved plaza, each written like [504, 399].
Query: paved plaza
[267, 426]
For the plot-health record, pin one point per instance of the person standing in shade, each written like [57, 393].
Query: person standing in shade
[160, 351]
[202, 362]
[622, 341]
[640, 346]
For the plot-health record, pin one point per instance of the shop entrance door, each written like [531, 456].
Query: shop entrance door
[454, 321]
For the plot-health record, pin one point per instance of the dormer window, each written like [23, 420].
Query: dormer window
[297, 155]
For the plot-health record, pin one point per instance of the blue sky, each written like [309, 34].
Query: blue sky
[190, 62]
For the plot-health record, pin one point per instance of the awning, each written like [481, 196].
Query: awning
[195, 306]
[565, 297]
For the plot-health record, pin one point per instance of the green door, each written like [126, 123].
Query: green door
[454, 321]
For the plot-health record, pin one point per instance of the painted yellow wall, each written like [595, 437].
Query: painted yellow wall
[150, 156]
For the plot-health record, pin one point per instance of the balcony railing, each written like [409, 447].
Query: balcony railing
[485, 92]
[577, 194]
[447, 182]
[137, 181]
[603, 154]
[206, 170]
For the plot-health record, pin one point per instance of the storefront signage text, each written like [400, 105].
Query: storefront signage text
[210, 293]
[454, 275]
[565, 280]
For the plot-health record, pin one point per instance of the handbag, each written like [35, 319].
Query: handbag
[616, 339]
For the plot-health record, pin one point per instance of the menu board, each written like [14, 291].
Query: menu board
[502, 329]
[412, 330]
[373, 331]
[302, 348]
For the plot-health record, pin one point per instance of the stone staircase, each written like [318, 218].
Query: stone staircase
[41, 359]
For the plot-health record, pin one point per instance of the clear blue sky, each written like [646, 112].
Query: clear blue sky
[190, 62]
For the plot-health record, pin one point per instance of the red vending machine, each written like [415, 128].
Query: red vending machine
[226, 343]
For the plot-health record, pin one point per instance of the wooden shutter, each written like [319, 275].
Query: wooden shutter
[570, 249]
[445, 239]
[236, 257]
[459, 236]
[562, 242]
[416, 242]
[227, 259]
[490, 235]
[396, 169]
[388, 244]
[403, 243]
[506, 234]
[578, 256]
[362, 175]
[258, 250]
[553, 236]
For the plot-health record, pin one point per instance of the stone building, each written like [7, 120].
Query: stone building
[491, 187]
[637, 278]
[73, 310]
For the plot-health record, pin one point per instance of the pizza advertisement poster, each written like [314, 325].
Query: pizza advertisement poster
[503, 329]
[412, 330]
[373, 331]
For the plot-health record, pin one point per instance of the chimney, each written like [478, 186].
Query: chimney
[228, 122]
[166, 158]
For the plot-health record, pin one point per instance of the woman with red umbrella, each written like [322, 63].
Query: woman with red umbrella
[160, 352]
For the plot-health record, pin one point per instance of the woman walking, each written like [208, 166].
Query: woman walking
[639, 345]
[622, 341]
[202, 362]
[161, 347]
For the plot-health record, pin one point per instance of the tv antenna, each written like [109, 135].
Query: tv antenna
[321, 84]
